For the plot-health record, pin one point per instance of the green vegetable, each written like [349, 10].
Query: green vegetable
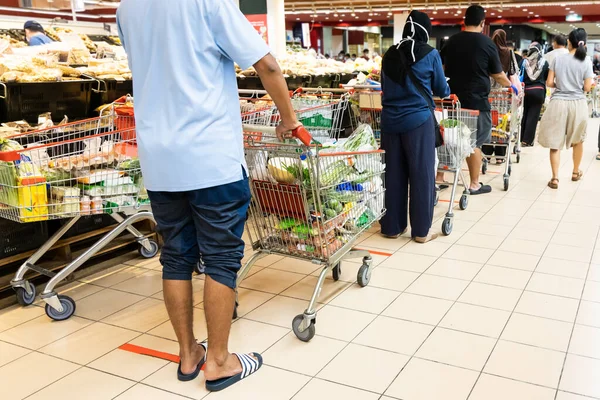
[335, 173]
[303, 176]
[362, 139]
[347, 196]
[287, 223]
[56, 175]
[329, 213]
[304, 231]
[335, 205]
[449, 123]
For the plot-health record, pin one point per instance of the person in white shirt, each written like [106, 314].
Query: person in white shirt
[190, 143]
[559, 47]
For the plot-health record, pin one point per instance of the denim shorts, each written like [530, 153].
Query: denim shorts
[484, 128]
[205, 223]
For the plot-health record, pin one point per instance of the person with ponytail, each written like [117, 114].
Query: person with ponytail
[564, 123]
[535, 73]
[411, 72]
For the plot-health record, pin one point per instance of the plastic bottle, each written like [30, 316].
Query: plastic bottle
[97, 205]
[85, 205]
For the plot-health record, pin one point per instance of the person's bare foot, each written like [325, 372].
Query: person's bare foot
[189, 362]
[214, 369]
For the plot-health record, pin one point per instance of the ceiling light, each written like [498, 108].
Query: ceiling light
[435, 12]
[431, 18]
[326, 17]
[445, 12]
[354, 15]
[389, 13]
[341, 20]
[369, 20]
[335, 15]
[568, 8]
[563, 5]
[537, 16]
[530, 12]
[493, 13]
[371, 14]
[343, 15]
[499, 16]
[571, 12]
[297, 19]
[524, 9]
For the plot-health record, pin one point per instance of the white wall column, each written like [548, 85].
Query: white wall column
[276, 26]
[399, 22]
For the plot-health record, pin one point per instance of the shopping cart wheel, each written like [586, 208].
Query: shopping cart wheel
[149, 253]
[506, 181]
[68, 305]
[364, 274]
[447, 226]
[484, 166]
[463, 202]
[24, 298]
[307, 334]
[336, 272]
[518, 157]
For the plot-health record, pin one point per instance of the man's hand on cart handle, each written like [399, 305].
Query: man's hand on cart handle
[293, 130]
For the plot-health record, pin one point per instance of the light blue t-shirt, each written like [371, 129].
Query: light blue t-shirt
[187, 111]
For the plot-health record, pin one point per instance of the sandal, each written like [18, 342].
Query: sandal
[576, 176]
[553, 183]
[188, 377]
[249, 366]
[394, 236]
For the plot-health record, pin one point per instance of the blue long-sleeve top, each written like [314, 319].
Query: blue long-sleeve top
[404, 109]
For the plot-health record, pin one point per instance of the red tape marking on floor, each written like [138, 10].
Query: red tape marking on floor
[447, 201]
[132, 348]
[379, 253]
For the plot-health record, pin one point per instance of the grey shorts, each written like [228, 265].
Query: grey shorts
[484, 128]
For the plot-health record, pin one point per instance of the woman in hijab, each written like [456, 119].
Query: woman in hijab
[408, 130]
[510, 67]
[535, 73]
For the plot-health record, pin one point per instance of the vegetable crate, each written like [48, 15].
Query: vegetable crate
[459, 130]
[312, 203]
[507, 111]
[66, 172]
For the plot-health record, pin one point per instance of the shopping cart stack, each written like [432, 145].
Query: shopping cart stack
[312, 203]
[459, 127]
[67, 172]
[507, 111]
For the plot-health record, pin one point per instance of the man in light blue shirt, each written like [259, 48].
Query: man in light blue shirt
[189, 137]
[35, 35]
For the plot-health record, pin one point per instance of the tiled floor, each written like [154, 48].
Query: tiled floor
[506, 308]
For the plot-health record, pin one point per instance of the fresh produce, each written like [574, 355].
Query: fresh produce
[362, 139]
[279, 168]
[336, 172]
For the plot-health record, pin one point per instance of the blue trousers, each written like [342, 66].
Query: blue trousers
[410, 170]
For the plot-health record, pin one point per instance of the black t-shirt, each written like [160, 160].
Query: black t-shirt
[469, 59]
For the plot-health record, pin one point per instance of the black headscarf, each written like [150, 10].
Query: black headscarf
[411, 49]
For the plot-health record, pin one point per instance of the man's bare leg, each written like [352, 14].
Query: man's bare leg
[219, 301]
[179, 301]
[474, 164]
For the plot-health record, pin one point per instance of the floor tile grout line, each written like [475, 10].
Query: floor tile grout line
[574, 325]
[516, 303]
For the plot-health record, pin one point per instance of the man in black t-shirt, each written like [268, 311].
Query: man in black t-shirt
[470, 58]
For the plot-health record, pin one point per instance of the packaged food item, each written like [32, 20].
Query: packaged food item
[65, 200]
[33, 199]
[85, 206]
[96, 205]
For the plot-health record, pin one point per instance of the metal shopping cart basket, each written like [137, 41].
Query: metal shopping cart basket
[66, 172]
[366, 100]
[507, 111]
[311, 204]
[459, 127]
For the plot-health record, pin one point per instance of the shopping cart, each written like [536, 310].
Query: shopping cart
[366, 101]
[311, 204]
[459, 127]
[507, 112]
[67, 172]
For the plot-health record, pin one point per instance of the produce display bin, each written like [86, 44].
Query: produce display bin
[26, 101]
[295, 82]
[17, 238]
[110, 90]
[323, 81]
[83, 225]
[250, 83]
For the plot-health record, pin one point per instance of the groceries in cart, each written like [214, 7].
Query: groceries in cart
[69, 170]
[314, 200]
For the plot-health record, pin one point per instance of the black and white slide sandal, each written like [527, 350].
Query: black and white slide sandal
[188, 377]
[249, 366]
